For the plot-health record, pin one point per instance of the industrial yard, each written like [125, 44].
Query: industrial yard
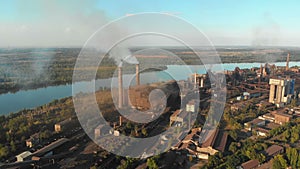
[262, 103]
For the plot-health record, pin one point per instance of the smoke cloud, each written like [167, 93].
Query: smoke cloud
[268, 33]
[122, 54]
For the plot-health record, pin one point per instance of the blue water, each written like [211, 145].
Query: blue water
[13, 102]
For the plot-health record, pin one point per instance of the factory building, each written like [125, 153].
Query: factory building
[281, 91]
[281, 118]
[139, 97]
[197, 80]
[23, 156]
[51, 149]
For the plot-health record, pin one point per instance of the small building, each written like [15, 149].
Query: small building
[265, 104]
[221, 141]
[49, 149]
[23, 156]
[192, 106]
[254, 123]
[203, 156]
[114, 132]
[295, 69]
[255, 93]
[271, 126]
[102, 129]
[198, 80]
[281, 118]
[274, 150]
[239, 98]
[238, 106]
[65, 125]
[267, 117]
[262, 132]
[213, 141]
[251, 164]
[296, 110]
[33, 140]
[193, 137]
[251, 94]
[178, 117]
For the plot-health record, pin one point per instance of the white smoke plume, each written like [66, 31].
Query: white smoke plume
[122, 54]
[268, 33]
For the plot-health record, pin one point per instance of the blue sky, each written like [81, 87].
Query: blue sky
[230, 22]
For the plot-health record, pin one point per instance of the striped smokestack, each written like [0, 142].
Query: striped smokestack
[137, 74]
[120, 80]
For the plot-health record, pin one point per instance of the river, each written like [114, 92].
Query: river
[12, 102]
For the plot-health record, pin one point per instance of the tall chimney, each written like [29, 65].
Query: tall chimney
[120, 120]
[120, 87]
[201, 82]
[137, 74]
[287, 62]
[195, 80]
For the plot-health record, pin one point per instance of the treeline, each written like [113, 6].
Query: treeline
[17, 127]
[290, 158]
[240, 152]
[36, 68]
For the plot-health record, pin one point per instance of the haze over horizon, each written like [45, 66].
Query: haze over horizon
[57, 23]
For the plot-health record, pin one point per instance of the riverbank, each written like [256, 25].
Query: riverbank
[12, 102]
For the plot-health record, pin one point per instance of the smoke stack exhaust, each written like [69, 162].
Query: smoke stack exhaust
[120, 80]
[287, 62]
[137, 74]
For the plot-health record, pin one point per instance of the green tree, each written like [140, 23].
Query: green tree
[126, 163]
[233, 161]
[298, 162]
[251, 153]
[214, 160]
[12, 146]
[144, 132]
[151, 163]
[233, 147]
[261, 158]
[233, 134]
[45, 134]
[292, 156]
[294, 135]
[276, 164]
[128, 125]
[293, 103]
[279, 162]
[3, 151]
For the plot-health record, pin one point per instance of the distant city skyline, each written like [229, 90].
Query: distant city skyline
[226, 23]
